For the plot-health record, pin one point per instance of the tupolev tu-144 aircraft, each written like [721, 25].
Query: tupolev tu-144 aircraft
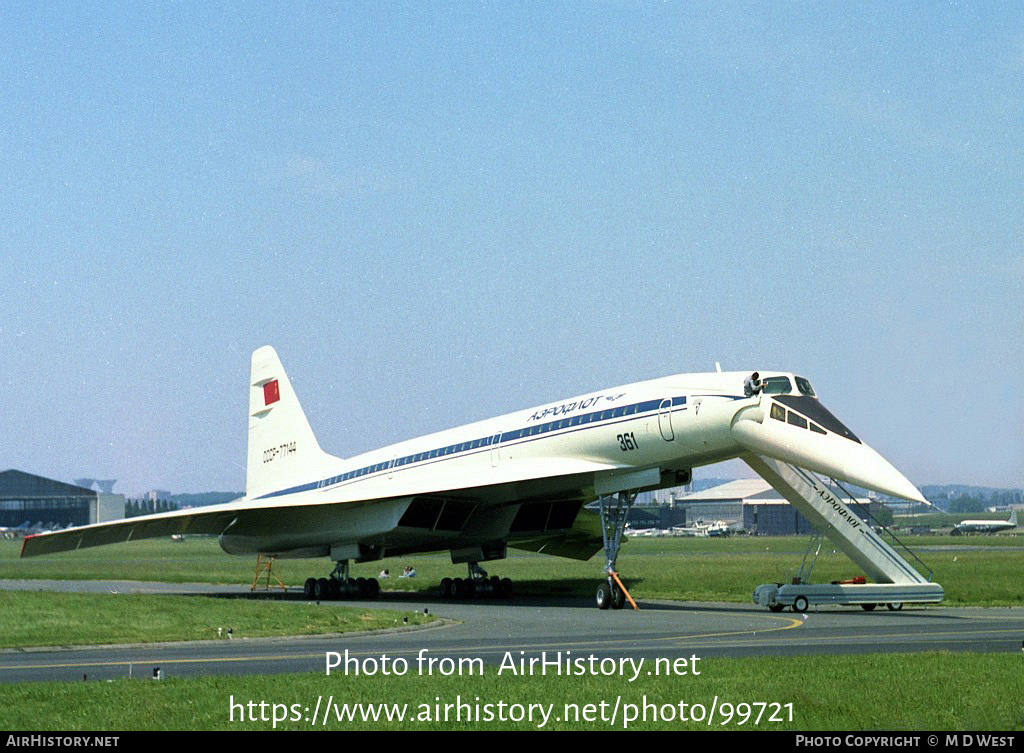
[521, 480]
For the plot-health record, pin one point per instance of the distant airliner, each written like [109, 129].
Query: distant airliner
[985, 526]
[521, 480]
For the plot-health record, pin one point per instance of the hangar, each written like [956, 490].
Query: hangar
[752, 505]
[31, 501]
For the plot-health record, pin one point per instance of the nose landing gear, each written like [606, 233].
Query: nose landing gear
[613, 594]
[614, 511]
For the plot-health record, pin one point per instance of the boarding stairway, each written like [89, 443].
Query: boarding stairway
[896, 579]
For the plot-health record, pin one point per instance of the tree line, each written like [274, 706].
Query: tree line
[135, 507]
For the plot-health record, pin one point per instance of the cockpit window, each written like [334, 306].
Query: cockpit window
[818, 413]
[805, 387]
[797, 420]
[777, 385]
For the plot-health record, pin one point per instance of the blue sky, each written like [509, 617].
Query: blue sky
[441, 212]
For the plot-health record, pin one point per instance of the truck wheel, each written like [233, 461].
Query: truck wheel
[800, 604]
[867, 607]
[776, 607]
[895, 606]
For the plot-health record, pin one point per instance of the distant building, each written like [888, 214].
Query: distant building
[723, 502]
[752, 505]
[105, 486]
[656, 517]
[39, 503]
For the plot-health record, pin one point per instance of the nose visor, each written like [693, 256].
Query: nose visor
[800, 430]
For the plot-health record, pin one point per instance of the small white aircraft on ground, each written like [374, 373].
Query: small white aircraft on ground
[703, 530]
[985, 526]
[520, 480]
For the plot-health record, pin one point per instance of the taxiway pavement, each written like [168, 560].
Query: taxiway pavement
[489, 628]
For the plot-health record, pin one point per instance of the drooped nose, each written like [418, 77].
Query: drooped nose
[801, 431]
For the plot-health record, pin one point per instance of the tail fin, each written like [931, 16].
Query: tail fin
[1013, 517]
[282, 448]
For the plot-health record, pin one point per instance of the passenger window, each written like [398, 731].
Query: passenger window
[778, 412]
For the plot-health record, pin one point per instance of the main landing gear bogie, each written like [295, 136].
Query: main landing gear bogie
[340, 586]
[478, 584]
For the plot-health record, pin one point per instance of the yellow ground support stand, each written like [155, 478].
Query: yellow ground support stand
[266, 565]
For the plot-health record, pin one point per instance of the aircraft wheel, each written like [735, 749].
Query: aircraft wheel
[604, 596]
[322, 590]
[361, 588]
[372, 588]
[446, 588]
[309, 588]
[505, 591]
[458, 589]
[895, 606]
[776, 607]
[868, 607]
[618, 598]
[800, 604]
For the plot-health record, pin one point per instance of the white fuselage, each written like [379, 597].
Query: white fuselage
[650, 433]
[983, 526]
[522, 479]
[674, 422]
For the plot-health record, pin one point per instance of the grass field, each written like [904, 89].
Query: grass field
[882, 692]
[33, 618]
[975, 570]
